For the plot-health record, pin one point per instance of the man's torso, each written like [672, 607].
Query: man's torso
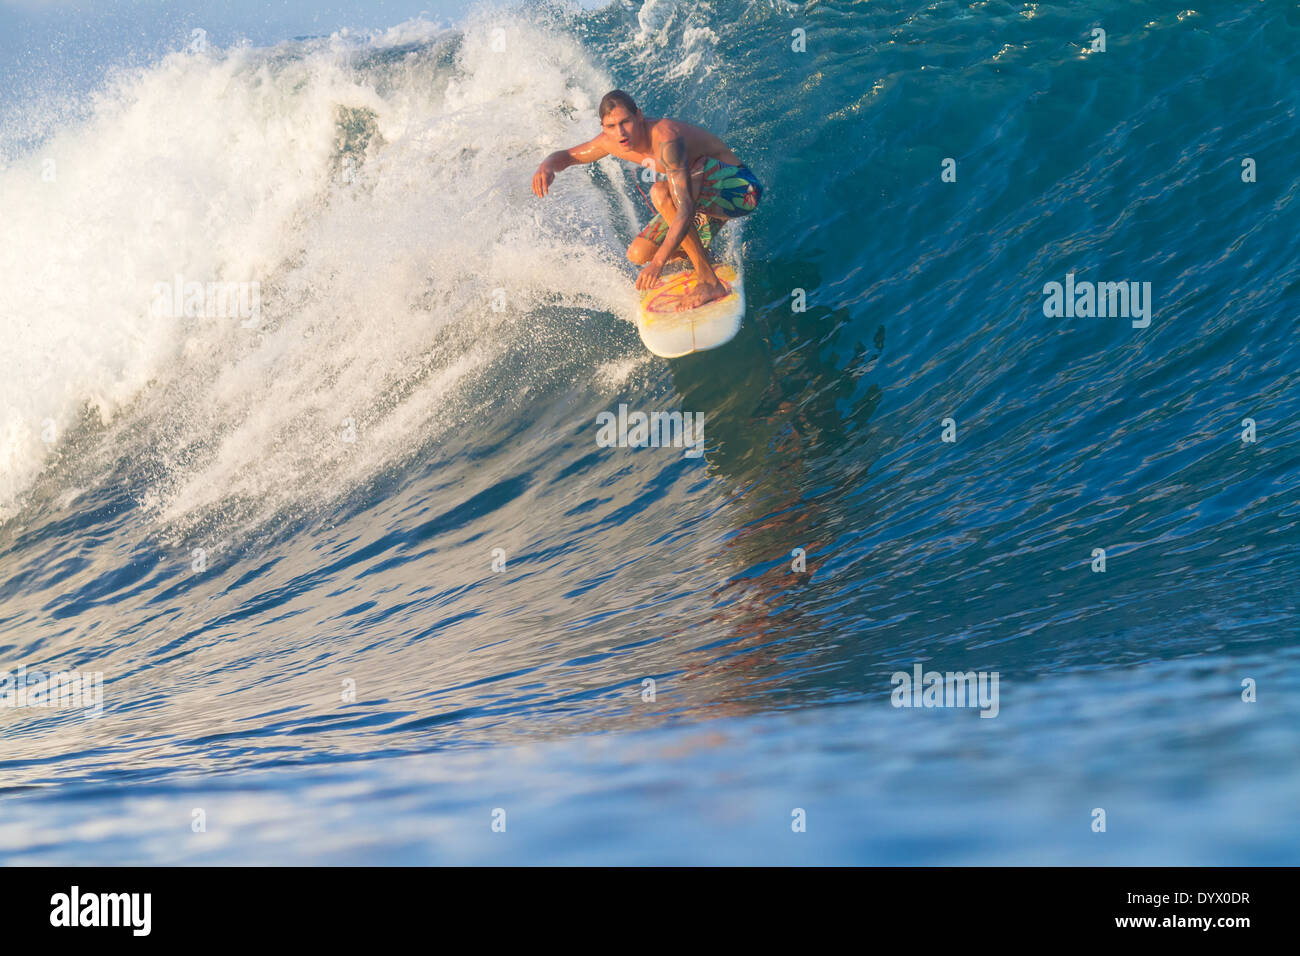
[700, 143]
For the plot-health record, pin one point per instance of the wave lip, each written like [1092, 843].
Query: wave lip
[366, 188]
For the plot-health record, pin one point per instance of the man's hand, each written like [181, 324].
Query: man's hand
[542, 179]
[649, 276]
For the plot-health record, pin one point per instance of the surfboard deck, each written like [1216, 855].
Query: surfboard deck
[672, 334]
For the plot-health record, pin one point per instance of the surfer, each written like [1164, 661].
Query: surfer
[705, 184]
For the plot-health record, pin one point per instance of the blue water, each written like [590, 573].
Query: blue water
[282, 546]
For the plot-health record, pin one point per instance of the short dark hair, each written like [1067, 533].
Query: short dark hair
[615, 98]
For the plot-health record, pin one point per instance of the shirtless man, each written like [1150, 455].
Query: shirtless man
[706, 184]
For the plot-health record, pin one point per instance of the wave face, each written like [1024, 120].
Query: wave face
[349, 550]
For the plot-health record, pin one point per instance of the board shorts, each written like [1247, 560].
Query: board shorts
[726, 192]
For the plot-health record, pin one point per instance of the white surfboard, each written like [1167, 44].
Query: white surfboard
[671, 334]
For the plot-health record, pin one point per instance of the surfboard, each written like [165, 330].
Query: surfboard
[672, 334]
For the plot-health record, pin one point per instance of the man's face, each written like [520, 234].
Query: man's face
[621, 125]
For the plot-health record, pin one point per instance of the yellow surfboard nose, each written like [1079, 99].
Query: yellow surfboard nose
[670, 333]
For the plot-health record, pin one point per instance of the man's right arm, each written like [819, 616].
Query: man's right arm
[564, 158]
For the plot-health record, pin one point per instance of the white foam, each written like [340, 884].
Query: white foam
[224, 167]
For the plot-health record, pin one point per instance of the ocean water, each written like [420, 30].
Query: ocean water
[363, 586]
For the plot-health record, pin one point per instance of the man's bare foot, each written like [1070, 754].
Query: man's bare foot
[702, 293]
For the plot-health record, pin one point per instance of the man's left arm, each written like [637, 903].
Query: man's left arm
[672, 158]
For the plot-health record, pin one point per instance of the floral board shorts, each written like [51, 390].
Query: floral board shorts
[726, 192]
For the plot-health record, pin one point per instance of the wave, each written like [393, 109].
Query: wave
[370, 191]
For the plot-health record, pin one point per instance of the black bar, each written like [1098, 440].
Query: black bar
[336, 906]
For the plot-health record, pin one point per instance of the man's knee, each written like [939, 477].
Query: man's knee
[641, 251]
[659, 191]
